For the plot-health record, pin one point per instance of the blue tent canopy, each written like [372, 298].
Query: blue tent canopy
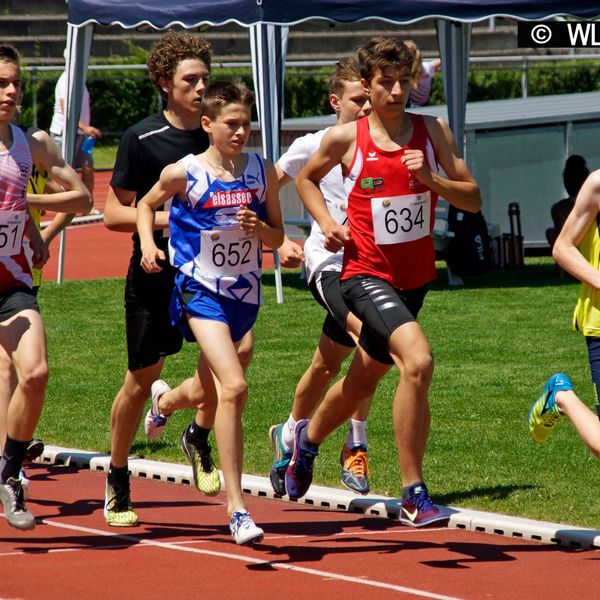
[188, 13]
[268, 21]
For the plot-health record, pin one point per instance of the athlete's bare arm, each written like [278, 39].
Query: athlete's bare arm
[337, 147]
[172, 181]
[290, 254]
[74, 197]
[269, 231]
[459, 187]
[120, 213]
[584, 213]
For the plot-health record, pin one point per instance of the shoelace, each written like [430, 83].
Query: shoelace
[304, 462]
[17, 494]
[242, 520]
[357, 463]
[120, 501]
[205, 459]
[423, 501]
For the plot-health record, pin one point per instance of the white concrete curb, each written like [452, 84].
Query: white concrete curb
[338, 499]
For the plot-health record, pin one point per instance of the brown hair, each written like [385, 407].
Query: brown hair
[173, 48]
[381, 52]
[346, 69]
[417, 68]
[222, 93]
[8, 54]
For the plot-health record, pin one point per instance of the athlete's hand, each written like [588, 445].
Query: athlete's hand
[41, 253]
[248, 220]
[417, 165]
[290, 254]
[335, 237]
[150, 258]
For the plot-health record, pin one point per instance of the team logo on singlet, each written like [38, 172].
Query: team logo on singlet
[223, 198]
[371, 183]
[372, 156]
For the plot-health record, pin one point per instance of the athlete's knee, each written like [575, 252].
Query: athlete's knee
[235, 390]
[325, 368]
[418, 366]
[34, 379]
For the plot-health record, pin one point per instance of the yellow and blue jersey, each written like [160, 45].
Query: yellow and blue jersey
[37, 183]
[586, 317]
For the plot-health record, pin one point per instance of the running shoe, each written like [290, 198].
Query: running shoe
[355, 469]
[25, 484]
[244, 530]
[298, 475]
[34, 450]
[155, 421]
[206, 474]
[118, 510]
[281, 460]
[418, 510]
[544, 414]
[11, 496]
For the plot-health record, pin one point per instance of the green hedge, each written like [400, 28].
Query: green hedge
[123, 99]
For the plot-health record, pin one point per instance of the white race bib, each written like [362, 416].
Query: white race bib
[12, 227]
[401, 218]
[228, 252]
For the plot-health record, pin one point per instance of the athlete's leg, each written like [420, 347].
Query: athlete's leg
[411, 417]
[127, 408]
[24, 339]
[220, 353]
[345, 395]
[7, 387]
[585, 421]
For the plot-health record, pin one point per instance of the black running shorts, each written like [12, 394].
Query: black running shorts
[150, 334]
[382, 309]
[14, 300]
[325, 288]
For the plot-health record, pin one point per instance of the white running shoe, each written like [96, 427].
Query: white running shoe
[26, 485]
[243, 529]
[155, 421]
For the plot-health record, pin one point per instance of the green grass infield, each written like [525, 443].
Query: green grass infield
[495, 343]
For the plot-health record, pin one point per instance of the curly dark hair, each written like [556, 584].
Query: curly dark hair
[170, 50]
[8, 54]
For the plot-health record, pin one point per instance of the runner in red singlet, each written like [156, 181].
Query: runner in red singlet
[391, 159]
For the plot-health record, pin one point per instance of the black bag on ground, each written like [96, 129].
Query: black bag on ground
[469, 251]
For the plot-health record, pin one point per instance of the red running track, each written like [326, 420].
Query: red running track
[183, 549]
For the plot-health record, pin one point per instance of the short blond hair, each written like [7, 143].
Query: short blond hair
[345, 70]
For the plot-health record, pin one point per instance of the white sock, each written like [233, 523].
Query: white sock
[287, 434]
[357, 433]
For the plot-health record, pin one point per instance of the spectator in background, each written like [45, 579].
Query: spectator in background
[422, 75]
[83, 161]
[574, 174]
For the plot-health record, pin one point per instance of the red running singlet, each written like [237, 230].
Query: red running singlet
[390, 213]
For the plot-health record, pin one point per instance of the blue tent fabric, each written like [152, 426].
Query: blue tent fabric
[189, 13]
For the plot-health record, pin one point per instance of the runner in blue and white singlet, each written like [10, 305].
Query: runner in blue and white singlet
[207, 243]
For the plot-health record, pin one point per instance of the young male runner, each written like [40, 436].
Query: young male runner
[225, 206]
[577, 251]
[179, 67]
[389, 160]
[340, 328]
[22, 334]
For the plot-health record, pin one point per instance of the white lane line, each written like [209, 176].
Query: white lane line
[249, 559]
